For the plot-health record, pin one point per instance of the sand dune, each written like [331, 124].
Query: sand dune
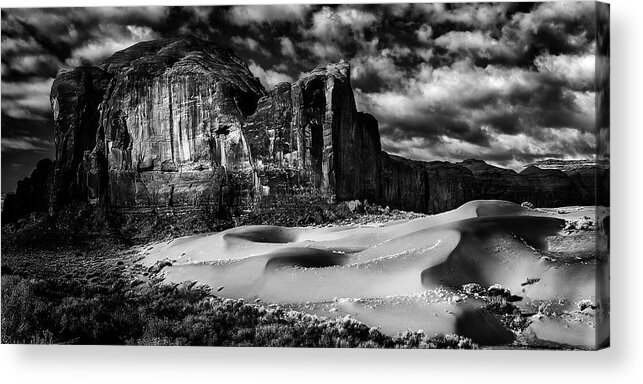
[408, 274]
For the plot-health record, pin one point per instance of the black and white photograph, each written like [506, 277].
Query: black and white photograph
[380, 176]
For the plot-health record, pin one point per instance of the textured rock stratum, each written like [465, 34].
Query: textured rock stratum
[183, 122]
[310, 133]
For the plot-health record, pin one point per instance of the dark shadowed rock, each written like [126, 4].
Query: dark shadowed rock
[425, 187]
[498, 183]
[590, 179]
[549, 187]
[483, 328]
[403, 183]
[33, 194]
[450, 186]
[75, 98]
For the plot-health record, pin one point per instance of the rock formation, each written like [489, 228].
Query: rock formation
[183, 122]
[311, 128]
[33, 194]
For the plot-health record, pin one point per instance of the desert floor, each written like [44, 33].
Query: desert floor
[536, 272]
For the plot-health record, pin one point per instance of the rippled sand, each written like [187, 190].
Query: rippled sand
[408, 274]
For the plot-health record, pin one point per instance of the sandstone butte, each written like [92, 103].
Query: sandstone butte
[183, 122]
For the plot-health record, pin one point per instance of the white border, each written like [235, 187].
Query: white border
[621, 363]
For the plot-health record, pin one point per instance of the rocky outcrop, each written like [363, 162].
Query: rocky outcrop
[33, 194]
[439, 186]
[591, 179]
[548, 187]
[310, 134]
[403, 183]
[183, 122]
[450, 186]
[429, 187]
[75, 98]
[171, 124]
[541, 187]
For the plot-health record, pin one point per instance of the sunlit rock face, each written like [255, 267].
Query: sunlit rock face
[184, 122]
[158, 123]
[170, 124]
[310, 133]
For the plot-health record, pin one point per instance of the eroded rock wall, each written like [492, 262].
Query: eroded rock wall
[308, 137]
[75, 99]
[434, 187]
[170, 125]
[184, 122]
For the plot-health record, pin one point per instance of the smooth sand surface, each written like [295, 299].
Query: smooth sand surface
[408, 274]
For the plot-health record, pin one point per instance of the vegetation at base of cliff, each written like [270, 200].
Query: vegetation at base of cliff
[67, 279]
[74, 224]
[46, 311]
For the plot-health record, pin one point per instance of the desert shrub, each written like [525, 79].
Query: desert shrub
[51, 312]
[453, 342]
[24, 314]
[101, 319]
[508, 314]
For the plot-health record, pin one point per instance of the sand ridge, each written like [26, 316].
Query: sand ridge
[401, 275]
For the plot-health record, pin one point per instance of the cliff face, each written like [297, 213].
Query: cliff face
[439, 186]
[75, 98]
[183, 122]
[170, 124]
[537, 186]
[312, 129]
[590, 178]
[429, 187]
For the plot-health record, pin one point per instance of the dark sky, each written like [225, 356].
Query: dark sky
[509, 83]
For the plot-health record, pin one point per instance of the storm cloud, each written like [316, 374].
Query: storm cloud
[509, 83]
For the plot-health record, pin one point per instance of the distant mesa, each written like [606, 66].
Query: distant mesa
[183, 122]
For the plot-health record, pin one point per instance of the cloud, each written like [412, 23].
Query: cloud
[247, 42]
[482, 16]
[465, 109]
[270, 78]
[477, 43]
[370, 72]
[336, 33]
[478, 15]
[577, 71]
[333, 25]
[27, 65]
[97, 50]
[424, 33]
[287, 47]
[27, 99]
[24, 143]
[20, 45]
[511, 151]
[250, 44]
[325, 51]
[557, 27]
[248, 14]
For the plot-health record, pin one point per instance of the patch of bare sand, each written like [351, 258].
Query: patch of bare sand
[407, 274]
